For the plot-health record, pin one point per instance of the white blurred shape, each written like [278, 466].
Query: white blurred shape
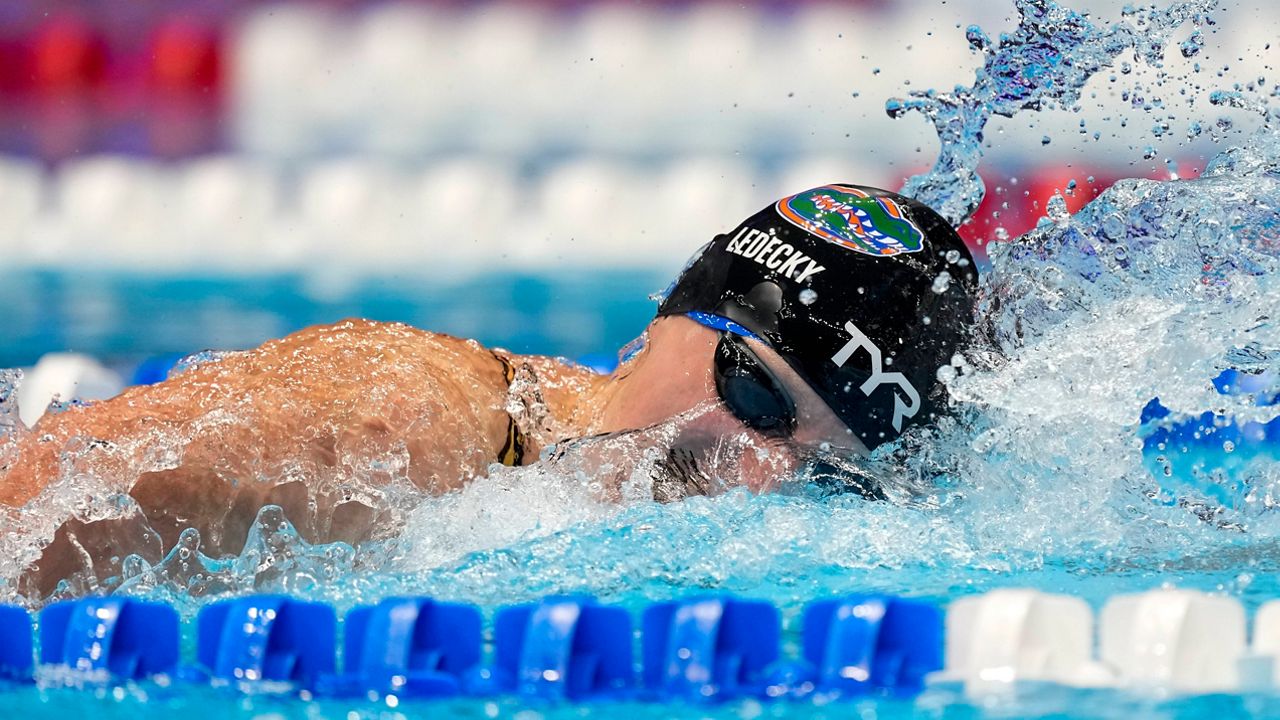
[830, 49]
[64, 377]
[401, 59]
[811, 172]
[696, 200]
[22, 190]
[282, 77]
[616, 86]
[588, 214]
[464, 209]
[353, 212]
[715, 65]
[1180, 640]
[222, 208]
[502, 76]
[1260, 669]
[1010, 635]
[112, 211]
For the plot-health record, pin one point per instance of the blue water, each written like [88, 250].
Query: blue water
[1040, 480]
[123, 318]
[151, 702]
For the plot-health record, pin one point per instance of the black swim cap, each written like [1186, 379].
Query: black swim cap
[864, 292]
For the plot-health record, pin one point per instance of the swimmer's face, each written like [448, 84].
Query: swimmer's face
[670, 388]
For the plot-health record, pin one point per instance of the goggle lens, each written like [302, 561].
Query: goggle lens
[751, 392]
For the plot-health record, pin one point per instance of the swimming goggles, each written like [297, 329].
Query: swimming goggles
[758, 399]
[750, 390]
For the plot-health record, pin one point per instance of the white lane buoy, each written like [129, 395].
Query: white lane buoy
[64, 376]
[1259, 670]
[1181, 640]
[1007, 636]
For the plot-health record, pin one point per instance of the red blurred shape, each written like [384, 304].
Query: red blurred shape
[13, 66]
[67, 57]
[186, 57]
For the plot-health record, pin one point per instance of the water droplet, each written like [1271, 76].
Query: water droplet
[978, 40]
[1192, 45]
[946, 374]
[808, 296]
[1056, 209]
[942, 282]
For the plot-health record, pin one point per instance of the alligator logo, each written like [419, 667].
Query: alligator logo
[854, 219]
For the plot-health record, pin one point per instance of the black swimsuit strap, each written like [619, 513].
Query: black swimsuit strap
[512, 453]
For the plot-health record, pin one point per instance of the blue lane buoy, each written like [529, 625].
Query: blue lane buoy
[864, 643]
[563, 648]
[128, 639]
[411, 647]
[602, 363]
[709, 648]
[267, 638]
[16, 644]
[154, 369]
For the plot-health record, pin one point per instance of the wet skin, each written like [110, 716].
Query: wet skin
[313, 420]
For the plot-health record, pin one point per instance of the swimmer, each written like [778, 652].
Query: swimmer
[812, 331]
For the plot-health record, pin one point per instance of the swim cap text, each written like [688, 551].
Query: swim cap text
[774, 254]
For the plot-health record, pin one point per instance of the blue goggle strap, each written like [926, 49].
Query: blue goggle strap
[717, 322]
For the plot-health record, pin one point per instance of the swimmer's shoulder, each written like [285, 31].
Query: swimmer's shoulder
[377, 340]
[359, 350]
[564, 388]
[385, 336]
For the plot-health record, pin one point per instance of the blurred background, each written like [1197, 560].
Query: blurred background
[178, 175]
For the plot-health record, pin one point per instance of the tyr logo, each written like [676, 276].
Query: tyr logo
[901, 410]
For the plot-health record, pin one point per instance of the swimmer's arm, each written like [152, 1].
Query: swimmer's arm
[352, 387]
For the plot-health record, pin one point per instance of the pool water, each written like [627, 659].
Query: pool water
[1040, 480]
[123, 318]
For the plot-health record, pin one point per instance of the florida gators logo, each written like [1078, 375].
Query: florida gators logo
[854, 219]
